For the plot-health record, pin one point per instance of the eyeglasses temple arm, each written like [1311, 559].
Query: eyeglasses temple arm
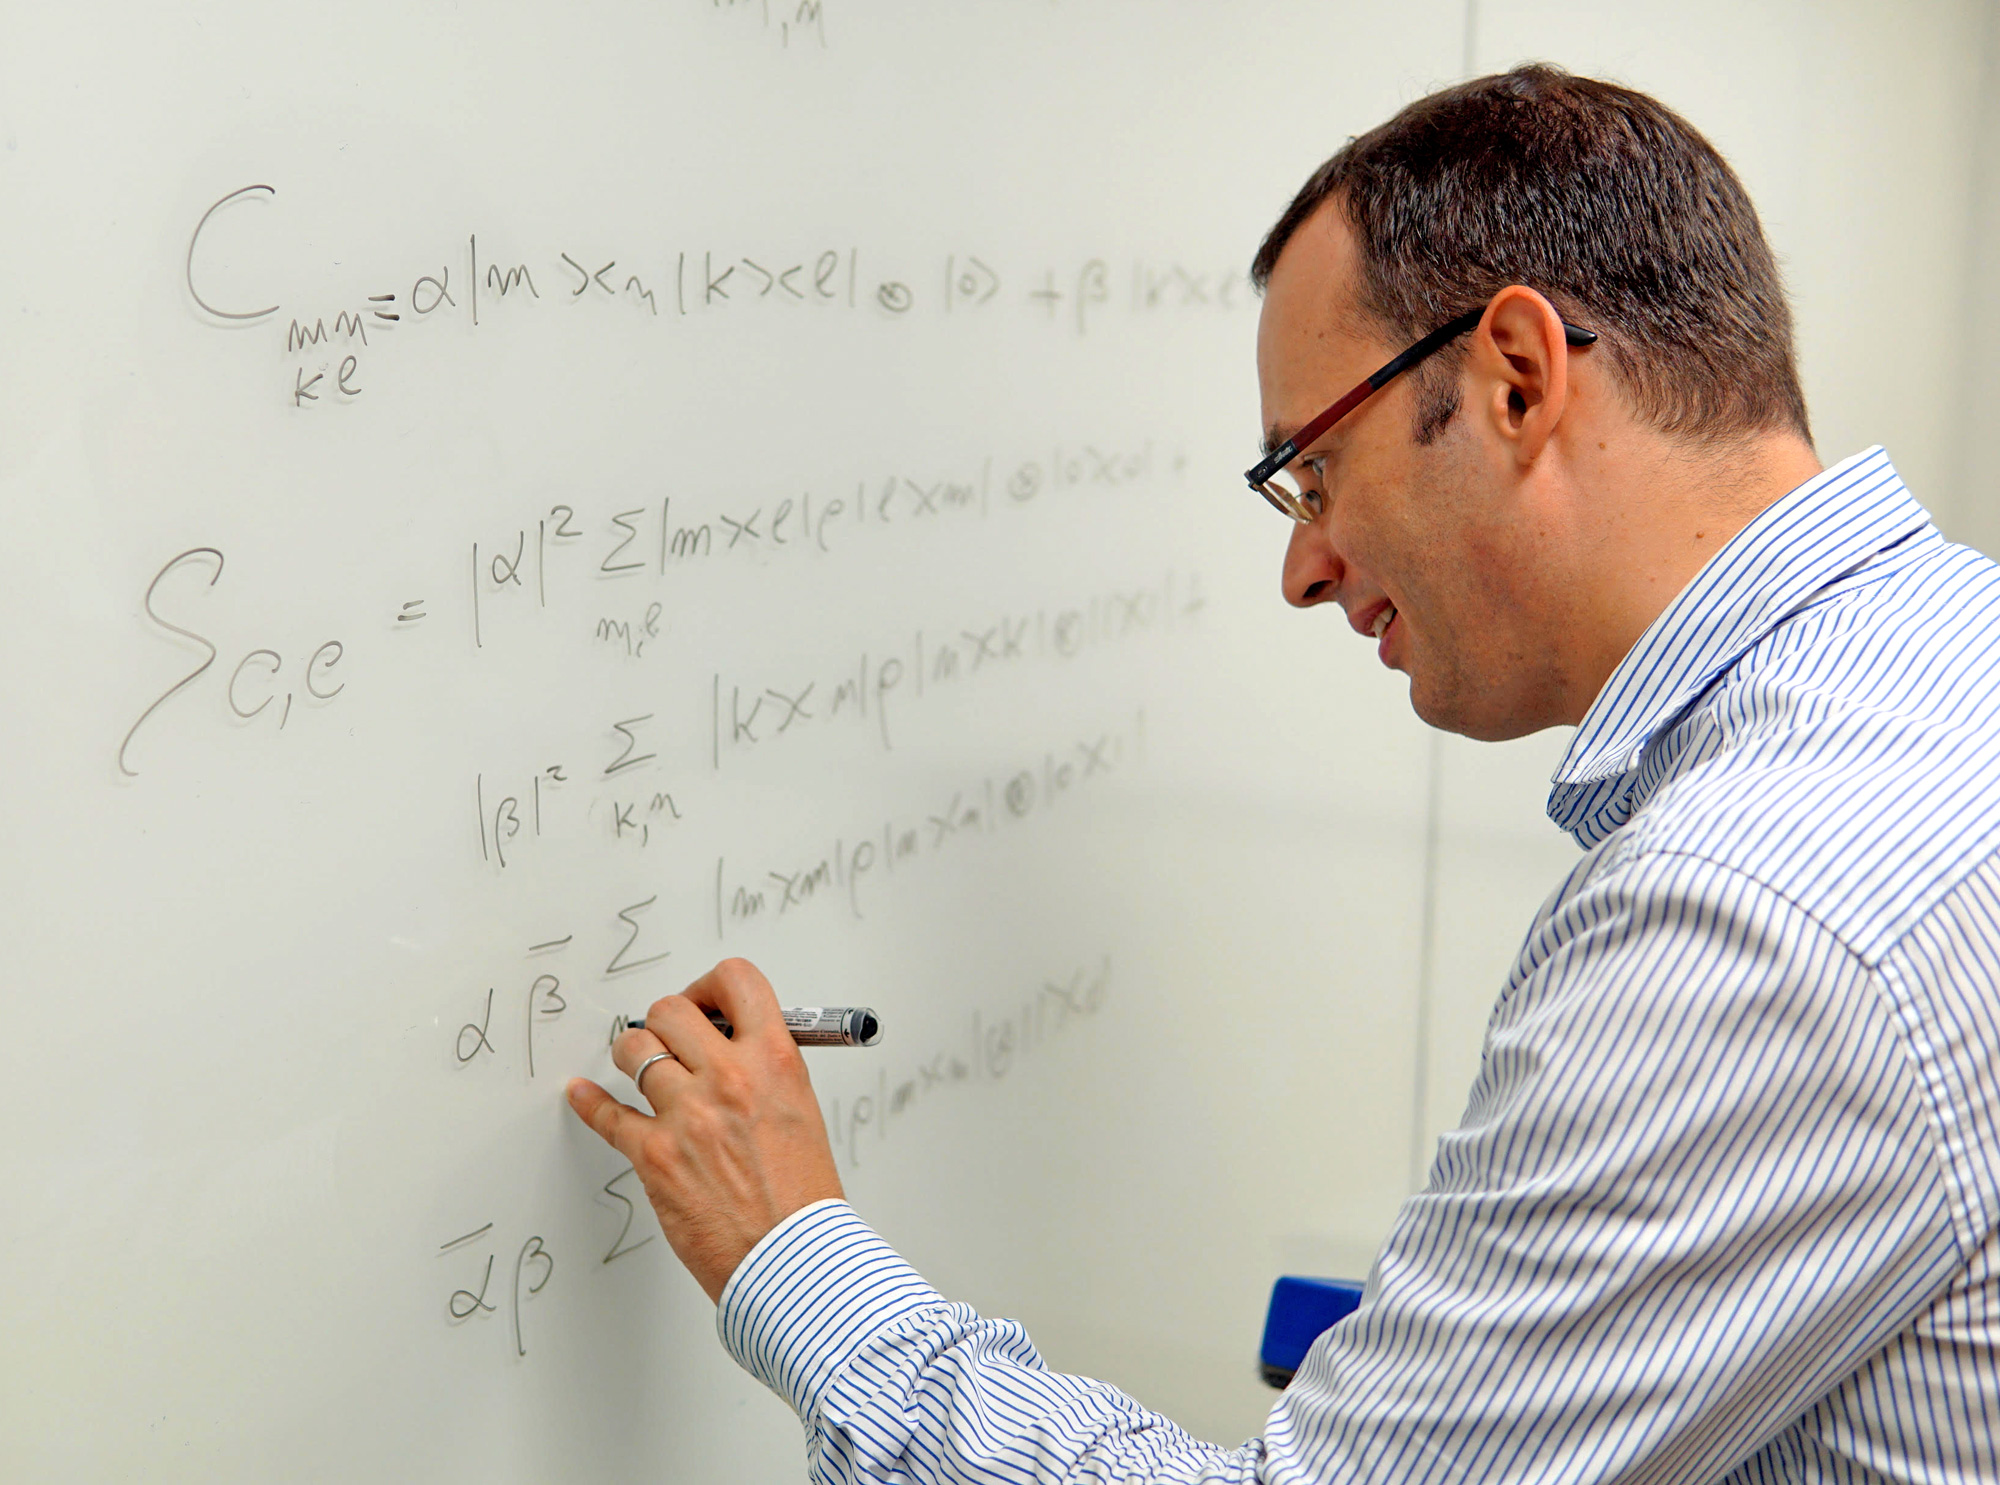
[1429, 346]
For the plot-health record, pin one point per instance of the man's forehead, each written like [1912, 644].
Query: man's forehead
[1317, 275]
[1313, 340]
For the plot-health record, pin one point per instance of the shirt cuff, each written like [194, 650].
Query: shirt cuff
[810, 1295]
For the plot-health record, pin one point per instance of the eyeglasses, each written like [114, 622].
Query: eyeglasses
[1266, 476]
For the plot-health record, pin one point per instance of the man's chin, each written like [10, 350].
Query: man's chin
[1449, 709]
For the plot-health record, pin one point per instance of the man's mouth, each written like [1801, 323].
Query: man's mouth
[1383, 620]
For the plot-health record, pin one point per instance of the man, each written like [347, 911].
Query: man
[1726, 1199]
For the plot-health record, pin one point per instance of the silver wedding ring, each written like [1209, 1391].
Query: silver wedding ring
[639, 1077]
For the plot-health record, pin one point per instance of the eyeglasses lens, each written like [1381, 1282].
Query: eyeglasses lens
[1283, 492]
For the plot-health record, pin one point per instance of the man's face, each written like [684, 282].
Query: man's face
[1429, 549]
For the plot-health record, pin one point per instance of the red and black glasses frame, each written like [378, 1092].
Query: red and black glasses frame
[1266, 469]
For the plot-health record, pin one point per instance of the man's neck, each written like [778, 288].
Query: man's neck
[1656, 513]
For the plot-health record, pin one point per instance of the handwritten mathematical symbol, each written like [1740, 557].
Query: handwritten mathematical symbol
[622, 820]
[1094, 760]
[627, 759]
[715, 289]
[796, 705]
[785, 281]
[1049, 295]
[554, 943]
[1058, 777]
[1103, 466]
[623, 521]
[504, 282]
[770, 278]
[1066, 997]
[923, 500]
[742, 727]
[619, 963]
[440, 287]
[480, 1041]
[741, 529]
[460, 1242]
[823, 272]
[506, 825]
[1019, 795]
[532, 1251]
[1011, 637]
[664, 802]
[976, 283]
[1135, 610]
[793, 891]
[383, 314]
[507, 571]
[464, 1303]
[412, 612]
[302, 390]
[946, 823]
[1194, 287]
[1093, 287]
[548, 990]
[987, 646]
[586, 278]
[644, 292]
[619, 1247]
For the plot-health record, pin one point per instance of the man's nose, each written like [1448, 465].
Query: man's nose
[1313, 569]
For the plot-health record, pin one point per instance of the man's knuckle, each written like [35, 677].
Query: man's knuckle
[734, 1088]
[657, 1152]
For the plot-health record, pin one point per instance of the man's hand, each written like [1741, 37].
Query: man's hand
[736, 1143]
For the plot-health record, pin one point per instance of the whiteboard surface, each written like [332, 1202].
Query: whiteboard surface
[513, 504]
[1165, 1025]
[1164, 1016]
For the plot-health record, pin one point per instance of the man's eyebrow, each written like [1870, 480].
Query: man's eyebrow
[1274, 438]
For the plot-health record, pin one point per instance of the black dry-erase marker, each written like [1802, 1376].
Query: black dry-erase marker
[810, 1025]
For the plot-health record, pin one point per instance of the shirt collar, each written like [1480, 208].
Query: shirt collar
[1766, 572]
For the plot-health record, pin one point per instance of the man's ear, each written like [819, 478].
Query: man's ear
[1520, 368]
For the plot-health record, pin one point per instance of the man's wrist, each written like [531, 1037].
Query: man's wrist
[812, 1292]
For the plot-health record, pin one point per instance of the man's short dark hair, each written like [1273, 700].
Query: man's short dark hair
[1602, 199]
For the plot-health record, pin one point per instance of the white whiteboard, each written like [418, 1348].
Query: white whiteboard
[1154, 1036]
[688, 478]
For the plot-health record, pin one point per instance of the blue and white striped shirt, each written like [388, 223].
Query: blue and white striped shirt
[1725, 1203]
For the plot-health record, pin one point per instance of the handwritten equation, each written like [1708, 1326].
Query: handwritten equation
[328, 348]
[994, 1043]
[637, 782]
[852, 866]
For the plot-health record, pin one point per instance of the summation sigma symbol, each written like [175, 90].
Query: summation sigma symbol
[261, 677]
[325, 345]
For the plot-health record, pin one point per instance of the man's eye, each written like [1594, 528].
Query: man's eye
[1314, 498]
